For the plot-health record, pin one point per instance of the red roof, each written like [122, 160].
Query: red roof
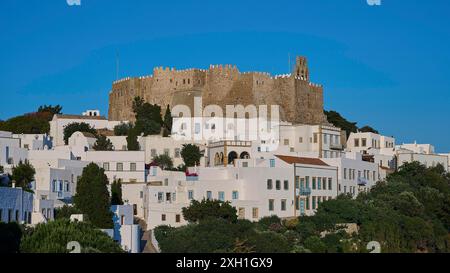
[301, 160]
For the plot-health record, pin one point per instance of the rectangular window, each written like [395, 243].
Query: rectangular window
[286, 184]
[221, 196]
[244, 164]
[272, 163]
[325, 138]
[324, 181]
[319, 183]
[345, 173]
[106, 166]
[160, 197]
[190, 194]
[297, 182]
[307, 203]
[269, 184]
[313, 202]
[163, 217]
[356, 142]
[286, 142]
[330, 184]
[153, 152]
[363, 142]
[313, 183]
[133, 167]
[300, 140]
[255, 213]
[119, 167]
[235, 195]
[278, 185]
[283, 204]
[209, 195]
[374, 176]
[166, 152]
[307, 182]
[271, 204]
[315, 137]
[177, 218]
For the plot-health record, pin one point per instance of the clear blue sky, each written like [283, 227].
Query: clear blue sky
[386, 66]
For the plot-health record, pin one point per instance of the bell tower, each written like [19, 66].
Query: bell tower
[301, 68]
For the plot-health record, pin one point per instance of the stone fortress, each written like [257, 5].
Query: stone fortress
[300, 101]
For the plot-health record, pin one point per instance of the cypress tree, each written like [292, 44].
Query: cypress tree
[92, 197]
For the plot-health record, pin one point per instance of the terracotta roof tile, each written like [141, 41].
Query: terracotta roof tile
[301, 160]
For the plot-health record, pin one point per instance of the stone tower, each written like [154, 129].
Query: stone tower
[301, 68]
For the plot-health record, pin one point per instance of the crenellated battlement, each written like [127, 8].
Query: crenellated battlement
[301, 101]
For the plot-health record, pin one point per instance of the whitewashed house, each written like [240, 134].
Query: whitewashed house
[354, 174]
[11, 152]
[126, 233]
[256, 187]
[58, 123]
[35, 141]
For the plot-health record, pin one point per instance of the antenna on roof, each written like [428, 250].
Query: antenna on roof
[117, 65]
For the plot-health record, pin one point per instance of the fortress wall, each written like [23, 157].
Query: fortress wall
[300, 101]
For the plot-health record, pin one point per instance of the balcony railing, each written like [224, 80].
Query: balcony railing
[362, 181]
[304, 191]
[338, 147]
[191, 178]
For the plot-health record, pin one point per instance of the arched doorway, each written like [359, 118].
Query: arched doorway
[232, 156]
[216, 159]
[244, 155]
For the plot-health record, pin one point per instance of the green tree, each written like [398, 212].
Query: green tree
[337, 120]
[147, 127]
[65, 212]
[51, 110]
[368, 129]
[168, 120]
[205, 209]
[53, 237]
[164, 161]
[269, 242]
[103, 144]
[116, 193]
[23, 174]
[92, 197]
[77, 127]
[191, 155]
[132, 140]
[148, 117]
[315, 244]
[34, 123]
[122, 129]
